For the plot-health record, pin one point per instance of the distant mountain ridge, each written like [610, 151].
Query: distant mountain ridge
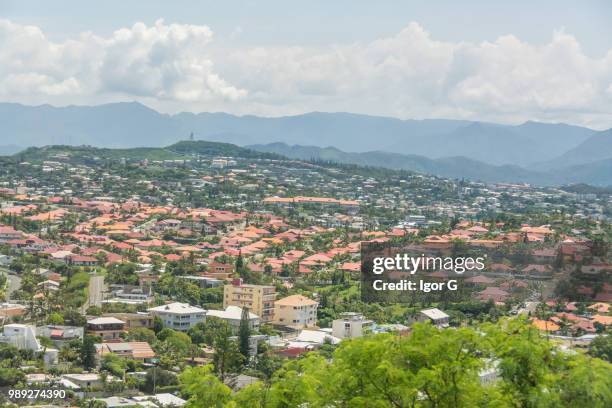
[597, 173]
[522, 145]
[532, 152]
[122, 125]
[594, 149]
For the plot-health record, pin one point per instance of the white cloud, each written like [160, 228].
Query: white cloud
[165, 62]
[410, 74]
[413, 75]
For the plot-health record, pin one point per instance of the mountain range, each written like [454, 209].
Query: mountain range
[598, 173]
[534, 152]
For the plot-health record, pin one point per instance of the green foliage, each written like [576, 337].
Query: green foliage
[601, 347]
[587, 383]
[203, 147]
[114, 364]
[178, 342]
[75, 291]
[122, 273]
[94, 311]
[56, 319]
[71, 352]
[203, 389]
[158, 377]
[141, 334]
[206, 332]
[172, 347]
[11, 376]
[227, 358]
[429, 368]
[158, 324]
[88, 352]
[73, 317]
[37, 154]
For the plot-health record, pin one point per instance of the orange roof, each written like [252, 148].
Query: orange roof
[537, 230]
[545, 325]
[296, 300]
[600, 307]
[51, 215]
[141, 349]
[605, 320]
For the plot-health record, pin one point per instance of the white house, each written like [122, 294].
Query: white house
[312, 339]
[437, 317]
[23, 337]
[179, 316]
[84, 380]
[351, 325]
[233, 315]
[161, 400]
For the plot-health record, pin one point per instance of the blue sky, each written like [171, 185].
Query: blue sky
[323, 22]
[478, 59]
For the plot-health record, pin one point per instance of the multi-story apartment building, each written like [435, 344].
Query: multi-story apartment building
[258, 298]
[296, 311]
[179, 316]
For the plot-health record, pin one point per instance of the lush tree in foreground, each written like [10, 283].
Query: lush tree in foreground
[428, 368]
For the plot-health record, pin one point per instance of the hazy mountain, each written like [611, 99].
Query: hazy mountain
[133, 124]
[343, 130]
[111, 125]
[453, 167]
[597, 173]
[525, 144]
[595, 148]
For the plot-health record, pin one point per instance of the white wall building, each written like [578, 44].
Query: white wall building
[296, 311]
[233, 315]
[437, 317]
[179, 316]
[351, 325]
[23, 337]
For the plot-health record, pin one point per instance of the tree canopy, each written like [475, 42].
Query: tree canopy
[429, 368]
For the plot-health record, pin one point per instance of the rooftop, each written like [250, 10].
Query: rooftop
[296, 300]
[105, 320]
[177, 308]
[434, 314]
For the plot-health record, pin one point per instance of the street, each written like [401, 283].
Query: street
[96, 292]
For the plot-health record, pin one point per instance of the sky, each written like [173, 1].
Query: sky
[547, 61]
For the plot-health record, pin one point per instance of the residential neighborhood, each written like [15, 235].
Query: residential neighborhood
[115, 281]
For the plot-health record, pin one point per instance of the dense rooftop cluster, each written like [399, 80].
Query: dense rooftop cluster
[119, 269]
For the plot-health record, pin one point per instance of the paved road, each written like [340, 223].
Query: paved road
[96, 289]
[14, 282]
